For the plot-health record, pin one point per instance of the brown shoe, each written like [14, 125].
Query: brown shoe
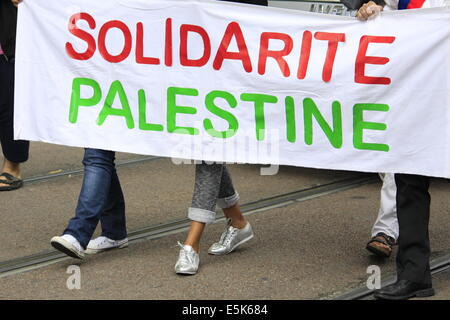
[381, 245]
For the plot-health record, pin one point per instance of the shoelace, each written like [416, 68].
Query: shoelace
[184, 256]
[225, 233]
[229, 236]
[104, 240]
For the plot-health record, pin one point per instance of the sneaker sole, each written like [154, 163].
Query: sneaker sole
[65, 247]
[95, 251]
[188, 273]
[419, 294]
[234, 247]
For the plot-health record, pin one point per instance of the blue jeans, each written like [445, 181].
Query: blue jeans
[101, 199]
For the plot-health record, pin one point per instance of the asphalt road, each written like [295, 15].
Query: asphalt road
[304, 250]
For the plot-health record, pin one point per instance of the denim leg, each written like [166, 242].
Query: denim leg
[100, 184]
[113, 217]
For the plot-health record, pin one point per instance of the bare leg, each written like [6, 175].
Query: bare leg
[196, 229]
[212, 182]
[194, 235]
[237, 219]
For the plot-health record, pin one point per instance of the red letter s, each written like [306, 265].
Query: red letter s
[83, 35]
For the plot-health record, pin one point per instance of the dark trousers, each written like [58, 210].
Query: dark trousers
[14, 151]
[413, 213]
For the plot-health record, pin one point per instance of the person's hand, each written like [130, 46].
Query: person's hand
[368, 10]
[16, 2]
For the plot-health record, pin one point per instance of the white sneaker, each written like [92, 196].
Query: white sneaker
[69, 245]
[103, 243]
[188, 260]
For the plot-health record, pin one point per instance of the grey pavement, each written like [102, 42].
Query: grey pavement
[50, 159]
[441, 284]
[308, 250]
[156, 192]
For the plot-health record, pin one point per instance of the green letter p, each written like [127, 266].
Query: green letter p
[76, 101]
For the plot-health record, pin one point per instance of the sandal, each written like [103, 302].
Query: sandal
[12, 183]
[381, 245]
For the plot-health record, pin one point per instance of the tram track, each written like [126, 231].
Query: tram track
[39, 260]
[437, 265]
[77, 171]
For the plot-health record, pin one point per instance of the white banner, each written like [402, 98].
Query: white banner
[238, 83]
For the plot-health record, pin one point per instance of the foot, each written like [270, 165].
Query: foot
[230, 239]
[188, 260]
[404, 289]
[9, 182]
[69, 245]
[381, 245]
[103, 243]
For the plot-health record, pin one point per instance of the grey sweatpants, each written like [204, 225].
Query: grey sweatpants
[213, 186]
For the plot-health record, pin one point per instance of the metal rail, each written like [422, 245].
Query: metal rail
[437, 265]
[121, 163]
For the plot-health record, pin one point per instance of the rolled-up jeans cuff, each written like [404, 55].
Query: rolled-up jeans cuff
[201, 215]
[228, 202]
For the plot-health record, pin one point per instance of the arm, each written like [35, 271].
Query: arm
[16, 2]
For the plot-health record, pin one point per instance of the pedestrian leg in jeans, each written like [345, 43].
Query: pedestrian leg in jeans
[213, 186]
[101, 199]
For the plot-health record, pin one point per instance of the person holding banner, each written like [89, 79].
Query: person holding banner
[413, 202]
[101, 196]
[15, 152]
[213, 186]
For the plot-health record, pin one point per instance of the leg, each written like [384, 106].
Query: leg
[235, 215]
[15, 152]
[112, 219]
[95, 194]
[413, 212]
[238, 230]
[413, 206]
[385, 229]
[201, 212]
[194, 235]
[228, 201]
[206, 191]
[212, 186]
[387, 215]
